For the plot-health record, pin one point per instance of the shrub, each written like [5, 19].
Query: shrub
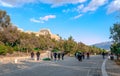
[55, 50]
[3, 49]
[16, 48]
[46, 59]
[10, 50]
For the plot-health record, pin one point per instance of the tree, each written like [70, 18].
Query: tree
[115, 32]
[115, 35]
[4, 19]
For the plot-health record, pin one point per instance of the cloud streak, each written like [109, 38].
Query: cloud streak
[43, 19]
[5, 4]
[114, 6]
[46, 18]
[15, 3]
[78, 16]
[94, 5]
[56, 3]
[36, 20]
[91, 7]
[80, 8]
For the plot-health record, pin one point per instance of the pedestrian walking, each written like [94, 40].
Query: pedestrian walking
[112, 56]
[83, 55]
[88, 55]
[76, 55]
[32, 55]
[103, 54]
[55, 56]
[62, 55]
[38, 55]
[79, 56]
[58, 56]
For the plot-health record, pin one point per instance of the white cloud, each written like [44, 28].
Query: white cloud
[20, 29]
[5, 4]
[79, 8]
[66, 10]
[94, 5]
[15, 3]
[78, 16]
[43, 19]
[114, 6]
[62, 2]
[36, 21]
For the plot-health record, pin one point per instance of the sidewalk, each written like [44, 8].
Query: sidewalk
[112, 68]
[23, 63]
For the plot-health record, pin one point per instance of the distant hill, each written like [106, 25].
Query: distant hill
[103, 45]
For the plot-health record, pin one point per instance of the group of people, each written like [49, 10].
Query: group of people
[37, 55]
[54, 55]
[81, 55]
[57, 55]
[110, 55]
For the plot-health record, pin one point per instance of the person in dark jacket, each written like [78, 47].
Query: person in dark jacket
[32, 55]
[38, 55]
[55, 56]
[103, 54]
[58, 56]
[83, 55]
[79, 56]
[88, 55]
[62, 55]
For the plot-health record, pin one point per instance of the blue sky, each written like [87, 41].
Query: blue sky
[87, 21]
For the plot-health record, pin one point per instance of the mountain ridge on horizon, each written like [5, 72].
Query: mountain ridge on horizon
[103, 45]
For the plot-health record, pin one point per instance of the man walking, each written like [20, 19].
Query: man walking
[103, 54]
[38, 55]
[32, 55]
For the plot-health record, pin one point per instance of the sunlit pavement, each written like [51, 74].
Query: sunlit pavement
[67, 67]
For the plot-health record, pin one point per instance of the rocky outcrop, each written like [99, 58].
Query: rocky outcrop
[45, 32]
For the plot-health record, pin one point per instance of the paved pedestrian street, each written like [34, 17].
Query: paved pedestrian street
[67, 67]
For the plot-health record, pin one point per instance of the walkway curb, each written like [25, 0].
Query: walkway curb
[104, 73]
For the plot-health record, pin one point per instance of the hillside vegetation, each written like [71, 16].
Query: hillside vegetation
[13, 40]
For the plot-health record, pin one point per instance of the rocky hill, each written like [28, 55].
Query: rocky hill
[103, 45]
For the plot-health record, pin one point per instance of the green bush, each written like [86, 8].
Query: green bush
[55, 50]
[3, 50]
[10, 50]
[16, 48]
[46, 59]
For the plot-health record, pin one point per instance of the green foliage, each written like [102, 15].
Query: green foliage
[3, 50]
[115, 35]
[115, 48]
[10, 50]
[13, 39]
[115, 32]
[16, 48]
[36, 49]
[46, 59]
[55, 50]
[4, 19]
